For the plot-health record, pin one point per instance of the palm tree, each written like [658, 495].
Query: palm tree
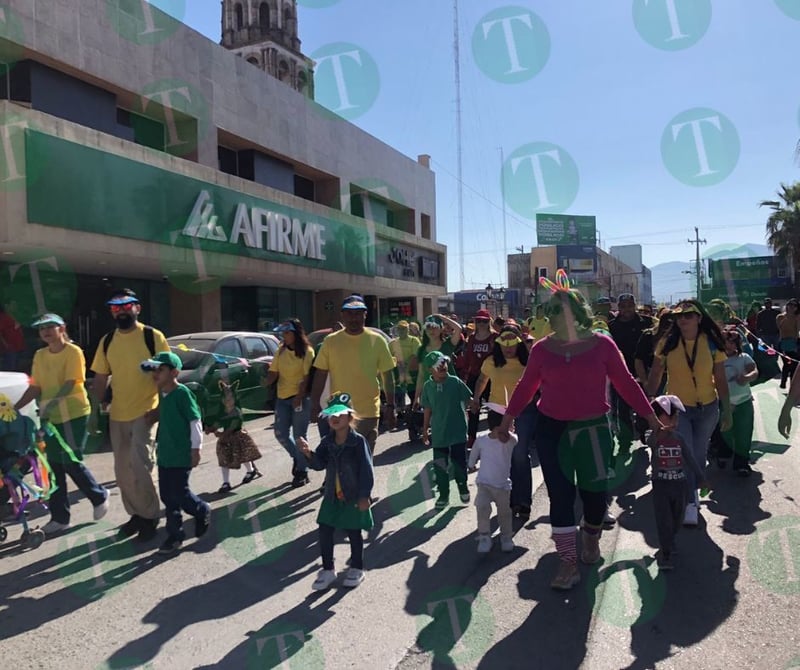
[783, 226]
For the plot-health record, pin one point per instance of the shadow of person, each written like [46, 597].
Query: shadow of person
[457, 625]
[287, 638]
[738, 499]
[559, 623]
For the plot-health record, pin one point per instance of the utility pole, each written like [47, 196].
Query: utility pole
[697, 242]
[503, 198]
[459, 149]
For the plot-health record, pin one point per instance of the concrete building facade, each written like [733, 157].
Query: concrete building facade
[139, 153]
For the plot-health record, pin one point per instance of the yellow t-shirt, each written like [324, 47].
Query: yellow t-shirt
[134, 391]
[51, 371]
[504, 380]
[539, 328]
[679, 374]
[353, 363]
[291, 369]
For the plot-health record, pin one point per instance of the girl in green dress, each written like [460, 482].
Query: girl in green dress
[344, 455]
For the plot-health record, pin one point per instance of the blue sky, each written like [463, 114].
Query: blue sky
[649, 99]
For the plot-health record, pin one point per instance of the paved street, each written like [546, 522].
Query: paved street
[241, 596]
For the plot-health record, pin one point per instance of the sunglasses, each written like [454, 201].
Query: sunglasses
[687, 315]
[481, 320]
[127, 307]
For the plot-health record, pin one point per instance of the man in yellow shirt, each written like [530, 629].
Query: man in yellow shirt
[354, 358]
[135, 395]
[404, 349]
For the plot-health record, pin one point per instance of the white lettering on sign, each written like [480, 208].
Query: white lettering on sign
[257, 228]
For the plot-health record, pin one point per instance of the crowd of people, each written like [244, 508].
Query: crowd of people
[568, 386]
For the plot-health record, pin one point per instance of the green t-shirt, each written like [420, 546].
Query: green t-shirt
[177, 410]
[447, 402]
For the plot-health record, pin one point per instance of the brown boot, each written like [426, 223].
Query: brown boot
[566, 576]
[590, 546]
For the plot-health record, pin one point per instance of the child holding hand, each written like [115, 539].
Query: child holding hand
[344, 455]
[669, 459]
[494, 483]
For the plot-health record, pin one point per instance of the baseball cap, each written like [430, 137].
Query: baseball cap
[339, 403]
[48, 319]
[686, 308]
[432, 322]
[287, 327]
[436, 360]
[402, 324]
[669, 403]
[163, 358]
[508, 338]
[626, 296]
[482, 314]
[354, 302]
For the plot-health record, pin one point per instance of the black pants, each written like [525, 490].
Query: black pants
[622, 416]
[173, 485]
[669, 502]
[326, 547]
[442, 458]
[473, 418]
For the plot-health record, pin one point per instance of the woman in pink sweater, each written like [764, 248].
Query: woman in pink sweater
[572, 367]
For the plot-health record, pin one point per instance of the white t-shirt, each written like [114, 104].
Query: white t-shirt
[495, 457]
[735, 366]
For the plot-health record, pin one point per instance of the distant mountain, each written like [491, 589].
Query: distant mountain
[675, 279]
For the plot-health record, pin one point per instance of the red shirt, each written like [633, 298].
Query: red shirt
[477, 351]
[11, 332]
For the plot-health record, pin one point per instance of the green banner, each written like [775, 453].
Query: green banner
[743, 269]
[77, 187]
[566, 229]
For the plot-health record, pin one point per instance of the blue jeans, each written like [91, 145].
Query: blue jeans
[569, 465]
[73, 433]
[521, 478]
[173, 486]
[289, 425]
[695, 426]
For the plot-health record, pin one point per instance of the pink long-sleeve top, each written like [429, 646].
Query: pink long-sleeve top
[576, 389]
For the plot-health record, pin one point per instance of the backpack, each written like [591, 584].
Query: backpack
[149, 340]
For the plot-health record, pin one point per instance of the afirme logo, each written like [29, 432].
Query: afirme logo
[457, 626]
[626, 589]
[540, 177]
[773, 555]
[672, 25]
[347, 80]
[792, 9]
[700, 147]
[144, 22]
[511, 44]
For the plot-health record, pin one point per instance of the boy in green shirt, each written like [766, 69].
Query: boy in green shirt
[444, 398]
[178, 443]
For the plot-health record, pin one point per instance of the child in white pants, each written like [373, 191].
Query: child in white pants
[493, 481]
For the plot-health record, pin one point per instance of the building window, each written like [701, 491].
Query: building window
[253, 61]
[228, 160]
[302, 82]
[425, 223]
[239, 16]
[304, 188]
[263, 15]
[283, 70]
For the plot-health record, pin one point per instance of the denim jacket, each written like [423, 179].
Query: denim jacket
[351, 460]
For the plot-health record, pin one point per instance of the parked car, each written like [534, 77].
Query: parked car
[229, 356]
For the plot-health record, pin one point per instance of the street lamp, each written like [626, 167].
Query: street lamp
[501, 296]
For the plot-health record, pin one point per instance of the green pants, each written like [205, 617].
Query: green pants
[740, 437]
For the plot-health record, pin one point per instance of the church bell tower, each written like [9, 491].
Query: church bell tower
[264, 33]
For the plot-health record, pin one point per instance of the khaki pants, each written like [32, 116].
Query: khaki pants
[369, 429]
[483, 504]
[132, 442]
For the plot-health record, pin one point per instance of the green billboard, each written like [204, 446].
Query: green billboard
[81, 188]
[566, 229]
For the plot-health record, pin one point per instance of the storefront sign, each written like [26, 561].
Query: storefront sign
[107, 194]
[397, 261]
[565, 229]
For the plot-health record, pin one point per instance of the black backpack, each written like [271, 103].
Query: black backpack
[149, 340]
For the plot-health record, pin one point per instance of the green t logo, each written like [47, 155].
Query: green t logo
[672, 25]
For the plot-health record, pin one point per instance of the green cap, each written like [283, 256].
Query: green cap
[164, 358]
[48, 319]
[339, 403]
[436, 359]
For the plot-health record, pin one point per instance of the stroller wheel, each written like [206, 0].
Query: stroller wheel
[36, 538]
[3, 534]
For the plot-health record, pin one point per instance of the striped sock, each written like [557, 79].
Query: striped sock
[566, 547]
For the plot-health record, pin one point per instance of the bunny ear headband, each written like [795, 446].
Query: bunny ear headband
[561, 283]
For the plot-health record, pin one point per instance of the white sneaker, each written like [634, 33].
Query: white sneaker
[325, 578]
[353, 578]
[484, 544]
[690, 515]
[507, 545]
[101, 510]
[52, 527]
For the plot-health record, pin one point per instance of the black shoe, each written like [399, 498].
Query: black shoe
[523, 512]
[250, 476]
[744, 471]
[225, 488]
[170, 547]
[202, 522]
[130, 527]
[147, 530]
[300, 479]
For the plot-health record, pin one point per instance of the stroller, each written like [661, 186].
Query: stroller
[21, 455]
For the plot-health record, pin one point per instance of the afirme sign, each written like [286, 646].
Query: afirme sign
[566, 229]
